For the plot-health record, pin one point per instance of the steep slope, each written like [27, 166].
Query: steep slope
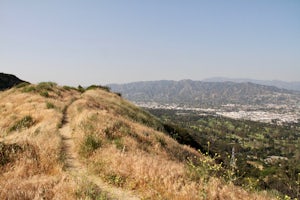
[60, 143]
[197, 93]
[8, 81]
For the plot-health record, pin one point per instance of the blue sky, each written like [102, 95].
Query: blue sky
[88, 42]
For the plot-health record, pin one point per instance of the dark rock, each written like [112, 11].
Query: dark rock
[8, 81]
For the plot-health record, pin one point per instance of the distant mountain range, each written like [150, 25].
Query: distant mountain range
[295, 85]
[8, 81]
[201, 94]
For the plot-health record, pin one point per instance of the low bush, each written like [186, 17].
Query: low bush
[7, 152]
[90, 144]
[21, 85]
[44, 94]
[25, 122]
[80, 89]
[203, 170]
[29, 88]
[115, 179]
[69, 88]
[50, 105]
[48, 86]
[89, 190]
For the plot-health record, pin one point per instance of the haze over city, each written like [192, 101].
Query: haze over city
[91, 42]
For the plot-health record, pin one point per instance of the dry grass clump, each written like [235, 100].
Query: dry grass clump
[44, 187]
[27, 189]
[26, 172]
[153, 175]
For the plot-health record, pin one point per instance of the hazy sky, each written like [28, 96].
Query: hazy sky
[87, 42]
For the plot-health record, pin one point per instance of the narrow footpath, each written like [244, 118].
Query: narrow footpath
[77, 169]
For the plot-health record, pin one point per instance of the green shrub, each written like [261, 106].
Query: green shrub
[69, 88]
[50, 105]
[203, 169]
[80, 89]
[92, 87]
[88, 190]
[28, 88]
[48, 86]
[119, 143]
[25, 122]
[44, 94]
[115, 179]
[21, 85]
[106, 88]
[90, 144]
[42, 88]
[119, 94]
[161, 141]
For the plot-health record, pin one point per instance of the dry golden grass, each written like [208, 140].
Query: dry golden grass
[115, 140]
[34, 165]
[132, 155]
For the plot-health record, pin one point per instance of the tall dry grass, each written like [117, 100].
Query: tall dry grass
[32, 168]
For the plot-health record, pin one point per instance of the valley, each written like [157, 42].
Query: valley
[270, 113]
[266, 155]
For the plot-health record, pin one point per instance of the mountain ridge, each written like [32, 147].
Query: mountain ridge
[292, 85]
[199, 93]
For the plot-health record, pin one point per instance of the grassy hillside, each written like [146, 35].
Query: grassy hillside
[67, 143]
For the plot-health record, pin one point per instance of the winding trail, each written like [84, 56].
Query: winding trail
[77, 169]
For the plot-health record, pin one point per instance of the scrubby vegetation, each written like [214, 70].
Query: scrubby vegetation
[25, 122]
[43, 88]
[267, 155]
[90, 144]
[8, 152]
[50, 105]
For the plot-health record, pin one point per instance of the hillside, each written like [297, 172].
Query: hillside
[205, 94]
[67, 143]
[8, 81]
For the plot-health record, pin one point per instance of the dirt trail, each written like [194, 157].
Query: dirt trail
[75, 168]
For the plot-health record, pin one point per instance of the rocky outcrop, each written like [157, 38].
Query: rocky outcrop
[8, 81]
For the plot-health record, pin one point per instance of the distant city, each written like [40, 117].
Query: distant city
[233, 98]
[271, 113]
